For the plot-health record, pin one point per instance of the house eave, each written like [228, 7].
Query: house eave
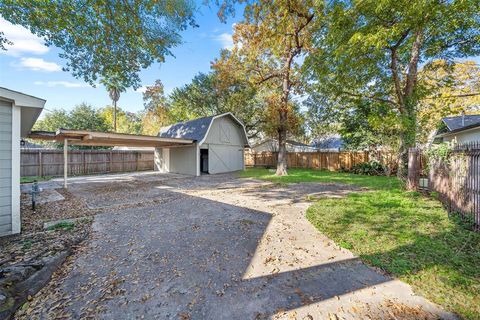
[461, 130]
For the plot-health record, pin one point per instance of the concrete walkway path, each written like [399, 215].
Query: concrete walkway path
[217, 247]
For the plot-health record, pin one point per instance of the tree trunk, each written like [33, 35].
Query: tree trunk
[282, 145]
[408, 102]
[407, 136]
[114, 116]
[283, 118]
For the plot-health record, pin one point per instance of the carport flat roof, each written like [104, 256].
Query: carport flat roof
[107, 139]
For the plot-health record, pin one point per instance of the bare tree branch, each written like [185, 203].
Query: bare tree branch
[270, 76]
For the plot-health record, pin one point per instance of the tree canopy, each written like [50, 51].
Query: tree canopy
[86, 117]
[209, 94]
[156, 113]
[373, 49]
[450, 89]
[363, 124]
[82, 117]
[107, 37]
[127, 122]
[268, 46]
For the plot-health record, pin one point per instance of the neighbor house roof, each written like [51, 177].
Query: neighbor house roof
[196, 129]
[296, 143]
[330, 142]
[459, 123]
[455, 123]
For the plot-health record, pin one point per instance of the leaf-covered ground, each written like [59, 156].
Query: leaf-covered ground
[34, 241]
[406, 234]
[215, 247]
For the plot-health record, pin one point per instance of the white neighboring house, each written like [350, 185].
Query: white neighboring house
[219, 143]
[461, 129]
[271, 145]
[18, 113]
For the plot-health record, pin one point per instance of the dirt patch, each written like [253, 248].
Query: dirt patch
[70, 207]
[106, 197]
[34, 241]
[27, 247]
[27, 260]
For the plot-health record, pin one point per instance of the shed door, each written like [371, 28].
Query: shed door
[5, 167]
[224, 158]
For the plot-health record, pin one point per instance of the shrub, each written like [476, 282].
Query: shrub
[371, 168]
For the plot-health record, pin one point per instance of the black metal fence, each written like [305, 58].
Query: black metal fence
[456, 179]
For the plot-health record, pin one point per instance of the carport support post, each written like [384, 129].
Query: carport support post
[65, 163]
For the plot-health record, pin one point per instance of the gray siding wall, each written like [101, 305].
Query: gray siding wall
[183, 160]
[5, 167]
[162, 160]
[225, 131]
[464, 137]
[225, 143]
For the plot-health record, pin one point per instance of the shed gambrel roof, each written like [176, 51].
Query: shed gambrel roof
[196, 129]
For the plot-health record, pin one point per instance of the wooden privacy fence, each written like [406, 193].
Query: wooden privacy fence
[456, 180]
[49, 162]
[332, 161]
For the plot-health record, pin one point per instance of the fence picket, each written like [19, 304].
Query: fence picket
[332, 161]
[49, 162]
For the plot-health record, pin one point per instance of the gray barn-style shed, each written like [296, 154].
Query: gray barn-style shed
[219, 144]
[18, 113]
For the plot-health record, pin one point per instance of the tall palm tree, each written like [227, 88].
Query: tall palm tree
[114, 87]
[114, 94]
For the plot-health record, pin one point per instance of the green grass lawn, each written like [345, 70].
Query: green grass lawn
[33, 179]
[404, 233]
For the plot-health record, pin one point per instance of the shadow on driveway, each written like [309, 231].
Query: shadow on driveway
[188, 258]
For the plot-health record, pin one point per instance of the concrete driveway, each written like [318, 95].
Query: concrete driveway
[216, 247]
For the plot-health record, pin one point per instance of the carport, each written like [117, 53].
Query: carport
[104, 139]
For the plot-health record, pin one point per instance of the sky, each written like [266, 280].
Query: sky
[32, 68]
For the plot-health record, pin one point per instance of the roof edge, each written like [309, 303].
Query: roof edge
[14, 92]
[466, 128]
